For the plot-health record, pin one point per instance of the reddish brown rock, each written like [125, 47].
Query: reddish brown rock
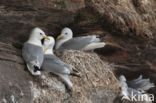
[123, 17]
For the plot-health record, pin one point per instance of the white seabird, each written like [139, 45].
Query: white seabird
[54, 65]
[32, 51]
[66, 41]
[127, 92]
[140, 84]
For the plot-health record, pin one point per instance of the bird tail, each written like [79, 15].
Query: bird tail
[36, 68]
[32, 69]
[93, 46]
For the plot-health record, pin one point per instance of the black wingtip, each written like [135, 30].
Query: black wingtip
[75, 71]
[101, 36]
[76, 75]
[36, 68]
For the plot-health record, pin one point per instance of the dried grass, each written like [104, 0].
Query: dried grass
[97, 82]
[92, 69]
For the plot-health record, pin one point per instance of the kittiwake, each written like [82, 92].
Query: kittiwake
[127, 92]
[66, 41]
[140, 84]
[54, 65]
[32, 51]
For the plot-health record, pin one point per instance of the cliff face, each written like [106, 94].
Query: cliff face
[96, 85]
[127, 17]
[130, 27]
[134, 17]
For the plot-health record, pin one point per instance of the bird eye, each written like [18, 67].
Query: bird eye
[41, 34]
[66, 33]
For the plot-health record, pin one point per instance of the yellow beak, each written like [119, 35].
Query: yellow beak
[46, 37]
[60, 37]
[45, 49]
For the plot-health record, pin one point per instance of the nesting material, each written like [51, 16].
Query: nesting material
[97, 83]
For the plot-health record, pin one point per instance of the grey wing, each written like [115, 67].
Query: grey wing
[58, 61]
[78, 43]
[55, 65]
[139, 83]
[135, 92]
[135, 80]
[33, 54]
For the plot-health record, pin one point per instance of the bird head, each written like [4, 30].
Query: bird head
[37, 33]
[122, 78]
[66, 33]
[48, 44]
